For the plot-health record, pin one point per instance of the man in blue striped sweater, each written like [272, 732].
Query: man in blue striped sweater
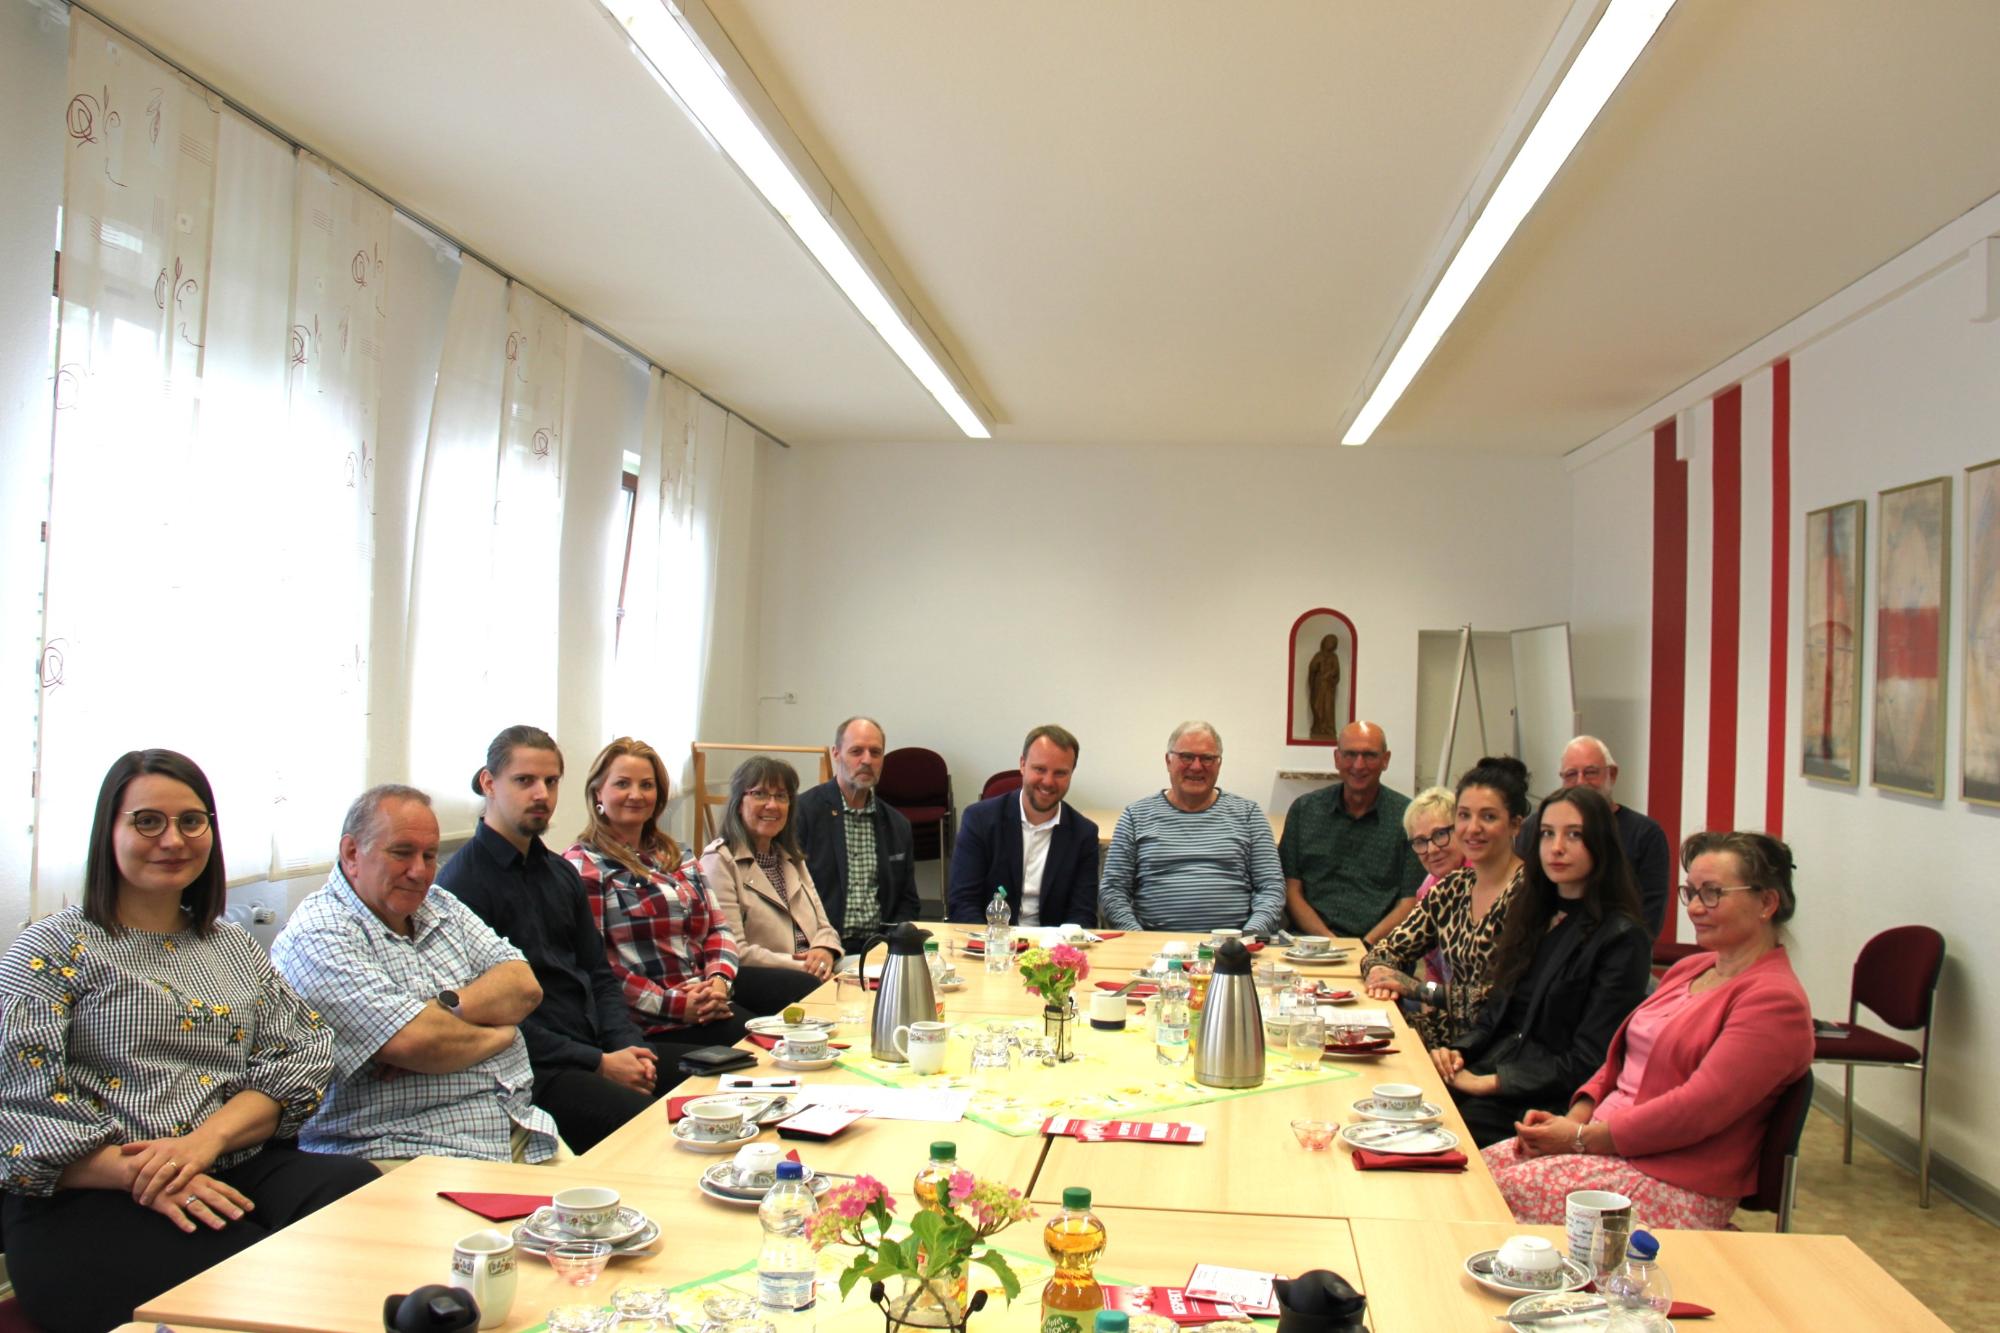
[1193, 857]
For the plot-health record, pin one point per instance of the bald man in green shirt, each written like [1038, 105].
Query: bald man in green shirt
[1349, 869]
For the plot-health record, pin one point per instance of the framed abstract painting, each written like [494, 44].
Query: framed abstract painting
[1835, 603]
[1980, 716]
[1912, 601]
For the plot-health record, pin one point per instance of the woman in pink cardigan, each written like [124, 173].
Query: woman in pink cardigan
[1675, 1119]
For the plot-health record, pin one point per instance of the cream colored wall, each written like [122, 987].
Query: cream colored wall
[968, 592]
[1902, 393]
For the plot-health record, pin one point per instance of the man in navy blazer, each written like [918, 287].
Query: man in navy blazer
[1031, 842]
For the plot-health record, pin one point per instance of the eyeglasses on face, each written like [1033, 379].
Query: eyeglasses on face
[1573, 776]
[1359, 756]
[1437, 837]
[152, 823]
[781, 796]
[1711, 894]
[1191, 759]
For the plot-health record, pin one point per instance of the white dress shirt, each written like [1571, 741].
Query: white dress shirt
[1035, 839]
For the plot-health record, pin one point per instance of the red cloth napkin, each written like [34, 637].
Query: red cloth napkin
[1143, 990]
[498, 1207]
[1367, 1160]
[1379, 1044]
[1110, 934]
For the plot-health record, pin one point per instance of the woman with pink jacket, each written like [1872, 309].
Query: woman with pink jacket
[1676, 1117]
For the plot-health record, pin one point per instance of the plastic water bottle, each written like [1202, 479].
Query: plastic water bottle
[999, 932]
[1639, 1282]
[1170, 1028]
[787, 1261]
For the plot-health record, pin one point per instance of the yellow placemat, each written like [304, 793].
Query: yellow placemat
[1115, 1076]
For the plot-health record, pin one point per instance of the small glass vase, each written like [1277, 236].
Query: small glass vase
[942, 1305]
[1058, 1023]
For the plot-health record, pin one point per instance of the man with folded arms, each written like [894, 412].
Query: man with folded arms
[1349, 870]
[1587, 762]
[1029, 842]
[1193, 857]
[423, 1000]
[594, 1070]
[859, 849]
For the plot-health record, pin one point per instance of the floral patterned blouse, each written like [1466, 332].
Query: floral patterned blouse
[1443, 921]
[110, 1039]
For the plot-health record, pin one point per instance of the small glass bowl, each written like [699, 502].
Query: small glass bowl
[1315, 1135]
[579, 1319]
[634, 1301]
[579, 1262]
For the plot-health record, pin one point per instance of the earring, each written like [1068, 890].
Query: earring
[600, 807]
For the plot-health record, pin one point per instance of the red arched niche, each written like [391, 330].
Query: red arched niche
[1310, 629]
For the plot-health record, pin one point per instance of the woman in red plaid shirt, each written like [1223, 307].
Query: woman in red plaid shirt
[666, 936]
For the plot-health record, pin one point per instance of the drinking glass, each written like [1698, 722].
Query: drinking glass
[852, 989]
[993, 1055]
[1308, 1040]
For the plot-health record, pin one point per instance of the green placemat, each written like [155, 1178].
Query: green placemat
[1115, 1076]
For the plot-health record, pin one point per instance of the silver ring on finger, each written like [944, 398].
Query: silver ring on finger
[191, 1201]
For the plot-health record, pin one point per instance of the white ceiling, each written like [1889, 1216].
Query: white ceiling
[1170, 221]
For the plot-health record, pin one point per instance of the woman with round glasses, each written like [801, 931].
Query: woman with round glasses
[1675, 1118]
[1570, 964]
[760, 878]
[1429, 823]
[1463, 915]
[154, 1068]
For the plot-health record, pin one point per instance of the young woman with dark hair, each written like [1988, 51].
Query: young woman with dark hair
[1571, 962]
[1463, 915]
[154, 1068]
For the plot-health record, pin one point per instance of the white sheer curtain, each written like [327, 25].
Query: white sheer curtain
[146, 536]
[340, 300]
[331, 503]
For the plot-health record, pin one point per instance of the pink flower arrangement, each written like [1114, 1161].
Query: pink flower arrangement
[941, 1240]
[1053, 973]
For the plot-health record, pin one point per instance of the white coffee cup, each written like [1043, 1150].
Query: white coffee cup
[1221, 935]
[483, 1264]
[802, 1044]
[714, 1119]
[586, 1210]
[757, 1163]
[1596, 1220]
[925, 1046]
[1309, 945]
[1529, 1261]
[1107, 1009]
[1397, 1096]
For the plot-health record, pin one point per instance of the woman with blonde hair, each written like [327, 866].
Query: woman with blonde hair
[666, 937]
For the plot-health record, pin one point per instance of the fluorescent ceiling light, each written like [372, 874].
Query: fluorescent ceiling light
[1621, 34]
[679, 60]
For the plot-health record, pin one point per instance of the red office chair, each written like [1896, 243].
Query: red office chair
[1007, 779]
[1778, 1163]
[916, 782]
[1896, 976]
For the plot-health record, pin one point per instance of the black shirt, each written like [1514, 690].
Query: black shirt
[536, 900]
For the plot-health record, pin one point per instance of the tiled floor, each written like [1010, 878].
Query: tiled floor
[1942, 1255]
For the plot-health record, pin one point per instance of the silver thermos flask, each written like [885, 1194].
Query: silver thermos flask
[1230, 1053]
[905, 995]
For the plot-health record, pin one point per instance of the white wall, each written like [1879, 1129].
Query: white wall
[1907, 391]
[965, 593]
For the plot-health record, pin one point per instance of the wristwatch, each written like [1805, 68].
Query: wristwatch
[449, 1000]
[728, 986]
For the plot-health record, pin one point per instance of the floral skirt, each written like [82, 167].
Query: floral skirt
[1536, 1190]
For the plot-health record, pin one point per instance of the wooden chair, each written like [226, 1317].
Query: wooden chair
[706, 825]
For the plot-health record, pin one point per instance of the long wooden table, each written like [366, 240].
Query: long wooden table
[1249, 1197]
